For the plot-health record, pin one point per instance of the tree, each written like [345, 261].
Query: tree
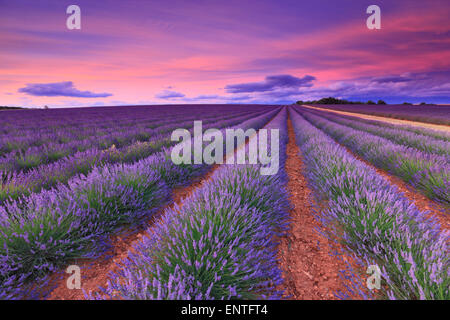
[332, 100]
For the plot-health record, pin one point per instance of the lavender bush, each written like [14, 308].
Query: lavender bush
[430, 113]
[374, 220]
[397, 135]
[41, 232]
[36, 128]
[23, 157]
[218, 245]
[16, 184]
[426, 172]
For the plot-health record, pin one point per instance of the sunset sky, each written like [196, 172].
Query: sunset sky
[222, 51]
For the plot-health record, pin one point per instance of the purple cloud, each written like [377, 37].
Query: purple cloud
[207, 97]
[272, 83]
[413, 87]
[59, 89]
[238, 98]
[168, 94]
[393, 79]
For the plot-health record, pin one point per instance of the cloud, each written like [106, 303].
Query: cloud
[392, 79]
[168, 94]
[59, 89]
[414, 87]
[207, 97]
[272, 83]
[284, 89]
[238, 98]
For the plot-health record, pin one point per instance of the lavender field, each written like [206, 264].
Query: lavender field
[439, 114]
[74, 181]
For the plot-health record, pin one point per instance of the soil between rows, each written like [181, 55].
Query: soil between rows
[308, 259]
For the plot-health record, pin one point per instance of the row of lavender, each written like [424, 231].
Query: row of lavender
[374, 220]
[74, 121]
[434, 145]
[429, 173]
[428, 132]
[14, 185]
[220, 244]
[30, 150]
[20, 130]
[41, 232]
[25, 139]
[439, 114]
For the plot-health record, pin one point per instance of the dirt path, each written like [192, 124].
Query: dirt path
[95, 272]
[385, 119]
[310, 269]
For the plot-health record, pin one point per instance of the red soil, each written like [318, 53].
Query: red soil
[310, 269]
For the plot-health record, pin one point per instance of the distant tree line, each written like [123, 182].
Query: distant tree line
[5, 108]
[331, 100]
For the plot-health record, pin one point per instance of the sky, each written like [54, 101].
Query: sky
[222, 51]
